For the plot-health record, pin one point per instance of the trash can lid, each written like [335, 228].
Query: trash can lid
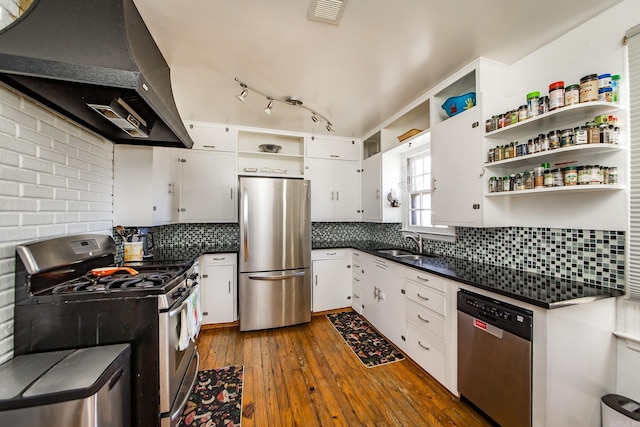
[624, 405]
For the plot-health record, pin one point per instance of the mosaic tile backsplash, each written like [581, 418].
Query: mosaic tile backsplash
[588, 256]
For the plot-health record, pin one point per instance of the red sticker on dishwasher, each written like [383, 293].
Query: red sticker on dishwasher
[479, 324]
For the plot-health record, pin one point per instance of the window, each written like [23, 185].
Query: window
[417, 214]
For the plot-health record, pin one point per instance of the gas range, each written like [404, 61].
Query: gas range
[70, 293]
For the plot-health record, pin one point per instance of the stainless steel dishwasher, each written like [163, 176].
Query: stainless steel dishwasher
[494, 357]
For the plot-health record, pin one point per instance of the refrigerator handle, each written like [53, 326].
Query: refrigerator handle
[279, 277]
[245, 221]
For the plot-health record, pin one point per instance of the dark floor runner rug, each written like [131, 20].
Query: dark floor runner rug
[216, 399]
[370, 347]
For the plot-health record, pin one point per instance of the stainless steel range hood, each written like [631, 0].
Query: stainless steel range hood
[96, 63]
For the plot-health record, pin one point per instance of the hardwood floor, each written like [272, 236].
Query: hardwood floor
[306, 375]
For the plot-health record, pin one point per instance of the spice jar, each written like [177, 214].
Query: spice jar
[531, 146]
[505, 183]
[615, 87]
[589, 88]
[556, 95]
[604, 80]
[529, 182]
[500, 121]
[512, 182]
[492, 155]
[606, 133]
[570, 175]
[605, 94]
[558, 177]
[571, 95]
[499, 185]
[520, 178]
[584, 175]
[593, 133]
[554, 139]
[514, 117]
[613, 175]
[532, 103]
[596, 175]
[499, 152]
[487, 126]
[580, 135]
[543, 105]
[548, 178]
[539, 177]
[566, 138]
[493, 184]
[544, 142]
[522, 113]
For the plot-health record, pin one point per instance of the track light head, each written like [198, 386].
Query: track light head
[329, 128]
[268, 107]
[243, 94]
[314, 118]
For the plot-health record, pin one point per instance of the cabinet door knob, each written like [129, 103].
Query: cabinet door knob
[475, 125]
[205, 276]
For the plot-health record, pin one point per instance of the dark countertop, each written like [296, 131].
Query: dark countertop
[536, 289]
[531, 288]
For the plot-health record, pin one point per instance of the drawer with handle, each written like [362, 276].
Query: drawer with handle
[426, 279]
[426, 350]
[425, 318]
[426, 297]
[217, 259]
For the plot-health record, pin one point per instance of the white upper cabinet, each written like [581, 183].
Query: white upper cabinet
[381, 174]
[146, 188]
[209, 187]
[335, 189]
[208, 136]
[332, 148]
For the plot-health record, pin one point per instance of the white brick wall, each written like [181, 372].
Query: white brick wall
[56, 178]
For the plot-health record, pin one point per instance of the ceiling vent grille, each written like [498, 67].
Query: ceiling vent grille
[327, 11]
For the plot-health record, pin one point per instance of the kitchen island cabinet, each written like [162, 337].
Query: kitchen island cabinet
[218, 288]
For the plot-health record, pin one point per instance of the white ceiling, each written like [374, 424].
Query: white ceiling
[382, 55]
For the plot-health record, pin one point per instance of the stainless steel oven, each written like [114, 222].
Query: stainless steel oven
[177, 366]
[70, 294]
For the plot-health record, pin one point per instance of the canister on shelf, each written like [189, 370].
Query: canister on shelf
[532, 103]
[589, 88]
[514, 117]
[571, 95]
[558, 177]
[570, 175]
[566, 138]
[605, 94]
[556, 95]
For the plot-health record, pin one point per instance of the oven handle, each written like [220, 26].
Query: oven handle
[181, 307]
[178, 412]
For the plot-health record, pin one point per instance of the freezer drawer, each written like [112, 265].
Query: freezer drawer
[274, 299]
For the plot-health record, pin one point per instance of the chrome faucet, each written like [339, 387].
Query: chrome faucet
[415, 238]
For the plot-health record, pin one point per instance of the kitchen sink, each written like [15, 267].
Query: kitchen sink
[413, 257]
[394, 252]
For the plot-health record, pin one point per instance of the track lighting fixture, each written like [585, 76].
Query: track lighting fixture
[291, 100]
[269, 105]
[243, 94]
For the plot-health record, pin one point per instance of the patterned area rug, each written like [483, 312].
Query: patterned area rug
[216, 399]
[370, 347]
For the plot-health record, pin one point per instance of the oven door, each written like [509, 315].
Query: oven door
[178, 368]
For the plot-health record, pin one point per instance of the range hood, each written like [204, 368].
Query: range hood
[96, 63]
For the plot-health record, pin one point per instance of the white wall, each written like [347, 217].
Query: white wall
[55, 179]
[594, 47]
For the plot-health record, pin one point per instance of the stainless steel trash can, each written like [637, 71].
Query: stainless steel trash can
[89, 387]
[619, 411]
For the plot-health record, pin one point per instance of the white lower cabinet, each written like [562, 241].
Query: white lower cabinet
[385, 290]
[356, 284]
[218, 288]
[430, 325]
[332, 279]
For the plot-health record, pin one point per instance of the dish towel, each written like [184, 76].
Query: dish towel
[194, 313]
[183, 333]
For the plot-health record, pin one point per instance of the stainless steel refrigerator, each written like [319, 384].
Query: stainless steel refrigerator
[275, 252]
